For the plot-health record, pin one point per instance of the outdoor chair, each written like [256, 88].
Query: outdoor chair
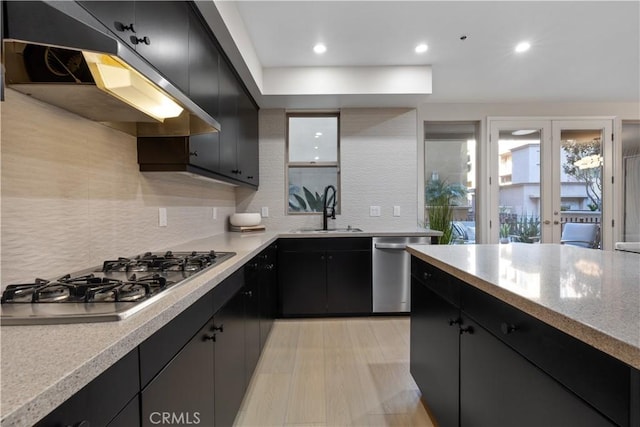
[580, 234]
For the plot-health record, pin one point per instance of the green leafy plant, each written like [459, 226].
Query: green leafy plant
[505, 230]
[305, 200]
[440, 218]
[527, 229]
[437, 189]
[440, 197]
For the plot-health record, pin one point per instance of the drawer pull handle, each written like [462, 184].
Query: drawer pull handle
[427, 276]
[143, 40]
[218, 328]
[457, 321]
[209, 338]
[466, 330]
[507, 328]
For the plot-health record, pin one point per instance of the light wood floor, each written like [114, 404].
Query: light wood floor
[335, 372]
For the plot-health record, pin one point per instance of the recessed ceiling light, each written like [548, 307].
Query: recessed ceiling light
[319, 48]
[421, 48]
[522, 47]
[523, 132]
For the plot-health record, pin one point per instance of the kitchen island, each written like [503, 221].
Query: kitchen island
[44, 365]
[531, 333]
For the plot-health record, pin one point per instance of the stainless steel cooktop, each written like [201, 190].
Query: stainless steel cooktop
[114, 291]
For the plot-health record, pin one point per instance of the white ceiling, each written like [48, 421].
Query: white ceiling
[582, 51]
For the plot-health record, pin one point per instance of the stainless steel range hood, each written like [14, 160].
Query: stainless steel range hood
[58, 53]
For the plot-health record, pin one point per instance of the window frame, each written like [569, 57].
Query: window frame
[288, 164]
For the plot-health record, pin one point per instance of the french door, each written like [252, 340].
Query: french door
[547, 173]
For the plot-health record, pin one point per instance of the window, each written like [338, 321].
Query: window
[450, 179]
[313, 160]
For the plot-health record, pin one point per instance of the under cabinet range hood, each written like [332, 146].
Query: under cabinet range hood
[58, 53]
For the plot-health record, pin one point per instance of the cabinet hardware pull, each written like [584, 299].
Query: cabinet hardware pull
[466, 330]
[249, 294]
[507, 328]
[427, 276]
[270, 267]
[193, 153]
[143, 40]
[121, 27]
[209, 338]
[457, 321]
[218, 328]
[249, 177]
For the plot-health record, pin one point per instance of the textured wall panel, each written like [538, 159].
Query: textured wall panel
[72, 195]
[379, 167]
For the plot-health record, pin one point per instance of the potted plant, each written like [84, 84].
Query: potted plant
[505, 231]
[441, 197]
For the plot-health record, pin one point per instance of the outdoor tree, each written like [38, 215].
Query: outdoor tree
[584, 163]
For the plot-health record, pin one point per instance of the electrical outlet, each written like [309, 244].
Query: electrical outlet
[374, 210]
[396, 211]
[214, 213]
[264, 212]
[162, 217]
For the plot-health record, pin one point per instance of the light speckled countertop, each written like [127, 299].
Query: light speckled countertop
[590, 294]
[43, 365]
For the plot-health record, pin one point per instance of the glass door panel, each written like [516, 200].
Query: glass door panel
[517, 181]
[582, 158]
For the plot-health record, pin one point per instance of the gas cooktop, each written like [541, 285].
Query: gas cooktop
[113, 291]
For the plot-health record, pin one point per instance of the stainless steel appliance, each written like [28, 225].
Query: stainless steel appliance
[113, 291]
[392, 273]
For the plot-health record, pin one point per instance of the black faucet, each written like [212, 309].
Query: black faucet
[325, 208]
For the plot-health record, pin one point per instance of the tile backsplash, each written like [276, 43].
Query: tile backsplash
[72, 195]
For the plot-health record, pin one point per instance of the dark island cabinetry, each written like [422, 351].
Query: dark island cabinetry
[320, 276]
[481, 362]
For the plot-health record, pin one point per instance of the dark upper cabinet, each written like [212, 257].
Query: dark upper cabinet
[117, 16]
[325, 276]
[203, 66]
[165, 25]
[157, 30]
[229, 120]
[247, 139]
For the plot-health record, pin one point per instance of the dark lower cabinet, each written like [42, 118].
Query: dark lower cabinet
[499, 387]
[325, 276]
[480, 362]
[434, 352]
[102, 401]
[230, 382]
[268, 291]
[129, 416]
[183, 391]
[252, 294]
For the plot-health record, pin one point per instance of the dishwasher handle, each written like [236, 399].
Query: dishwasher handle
[398, 246]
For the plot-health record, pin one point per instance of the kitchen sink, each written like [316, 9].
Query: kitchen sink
[331, 230]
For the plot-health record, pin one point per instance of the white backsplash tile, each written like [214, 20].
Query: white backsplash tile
[72, 195]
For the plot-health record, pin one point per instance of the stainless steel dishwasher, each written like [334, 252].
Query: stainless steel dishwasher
[392, 273]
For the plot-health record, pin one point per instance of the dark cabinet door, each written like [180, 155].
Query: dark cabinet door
[349, 281]
[204, 151]
[203, 66]
[228, 118]
[129, 416]
[165, 24]
[434, 352]
[247, 140]
[100, 401]
[268, 292]
[229, 360]
[303, 282]
[252, 294]
[184, 388]
[118, 16]
[499, 387]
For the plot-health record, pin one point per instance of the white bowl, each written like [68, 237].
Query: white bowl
[245, 219]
